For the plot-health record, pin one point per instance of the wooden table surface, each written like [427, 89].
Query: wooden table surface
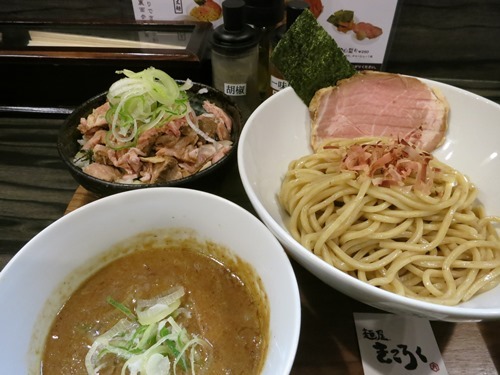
[453, 41]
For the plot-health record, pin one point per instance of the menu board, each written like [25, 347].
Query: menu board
[178, 10]
[361, 28]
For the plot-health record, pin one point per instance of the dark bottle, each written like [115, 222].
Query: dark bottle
[235, 58]
[293, 9]
[265, 16]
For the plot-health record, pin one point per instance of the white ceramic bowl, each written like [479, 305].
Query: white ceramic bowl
[279, 132]
[31, 289]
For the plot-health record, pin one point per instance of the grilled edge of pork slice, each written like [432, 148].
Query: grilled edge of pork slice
[382, 105]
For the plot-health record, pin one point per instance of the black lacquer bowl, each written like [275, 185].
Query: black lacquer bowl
[68, 146]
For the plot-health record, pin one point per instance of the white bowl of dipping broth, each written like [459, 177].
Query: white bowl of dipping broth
[47, 270]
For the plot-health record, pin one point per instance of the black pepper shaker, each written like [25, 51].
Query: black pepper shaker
[235, 58]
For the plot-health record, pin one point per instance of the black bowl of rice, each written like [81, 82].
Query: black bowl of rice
[174, 150]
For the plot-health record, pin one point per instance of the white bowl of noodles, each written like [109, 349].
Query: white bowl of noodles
[278, 132]
[95, 242]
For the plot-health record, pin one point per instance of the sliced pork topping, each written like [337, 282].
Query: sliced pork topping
[128, 160]
[158, 168]
[219, 114]
[95, 120]
[103, 172]
[99, 137]
[168, 151]
[382, 105]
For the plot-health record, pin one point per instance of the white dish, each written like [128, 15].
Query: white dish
[31, 284]
[279, 132]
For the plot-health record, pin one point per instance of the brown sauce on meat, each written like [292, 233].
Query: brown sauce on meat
[226, 299]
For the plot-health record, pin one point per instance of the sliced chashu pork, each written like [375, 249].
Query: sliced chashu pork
[380, 104]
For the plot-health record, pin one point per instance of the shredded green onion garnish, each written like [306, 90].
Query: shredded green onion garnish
[142, 100]
[120, 306]
[149, 341]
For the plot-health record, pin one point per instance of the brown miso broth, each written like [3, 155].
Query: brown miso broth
[224, 295]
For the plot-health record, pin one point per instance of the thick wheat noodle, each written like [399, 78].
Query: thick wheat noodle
[438, 247]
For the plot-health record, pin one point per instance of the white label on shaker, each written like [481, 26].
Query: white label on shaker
[278, 84]
[235, 89]
[392, 345]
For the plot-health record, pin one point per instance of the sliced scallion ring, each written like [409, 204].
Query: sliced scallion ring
[155, 347]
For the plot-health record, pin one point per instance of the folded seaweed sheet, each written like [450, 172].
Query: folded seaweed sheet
[309, 58]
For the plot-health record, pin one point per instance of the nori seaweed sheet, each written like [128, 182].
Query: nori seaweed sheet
[309, 58]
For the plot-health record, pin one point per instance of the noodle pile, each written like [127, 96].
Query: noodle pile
[411, 226]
